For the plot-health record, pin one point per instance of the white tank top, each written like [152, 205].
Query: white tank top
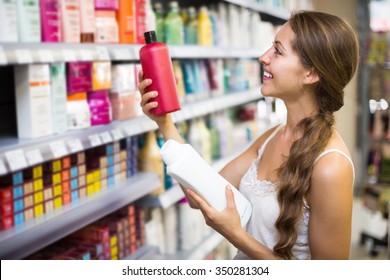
[263, 196]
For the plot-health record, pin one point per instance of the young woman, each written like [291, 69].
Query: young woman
[298, 176]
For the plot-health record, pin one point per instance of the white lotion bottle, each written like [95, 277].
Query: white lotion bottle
[188, 168]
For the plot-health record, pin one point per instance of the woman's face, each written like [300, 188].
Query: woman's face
[283, 71]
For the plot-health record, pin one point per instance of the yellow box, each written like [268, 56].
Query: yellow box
[90, 189]
[97, 186]
[37, 172]
[38, 185]
[57, 165]
[38, 210]
[97, 175]
[57, 202]
[101, 75]
[38, 197]
[114, 258]
[90, 178]
[56, 178]
[114, 251]
[113, 241]
[57, 190]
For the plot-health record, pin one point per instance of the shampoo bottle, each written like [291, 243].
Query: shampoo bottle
[186, 166]
[157, 65]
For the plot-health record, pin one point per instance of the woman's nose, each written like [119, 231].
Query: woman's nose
[264, 58]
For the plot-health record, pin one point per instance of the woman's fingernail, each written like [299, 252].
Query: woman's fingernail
[228, 187]
[148, 81]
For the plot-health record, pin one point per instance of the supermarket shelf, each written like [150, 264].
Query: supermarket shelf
[27, 53]
[279, 13]
[206, 246]
[17, 154]
[21, 241]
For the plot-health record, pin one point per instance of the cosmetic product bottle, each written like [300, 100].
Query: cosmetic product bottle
[157, 65]
[186, 166]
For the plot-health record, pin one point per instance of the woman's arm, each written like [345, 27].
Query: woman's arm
[330, 201]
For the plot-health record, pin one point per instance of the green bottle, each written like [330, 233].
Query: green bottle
[159, 12]
[173, 25]
[191, 27]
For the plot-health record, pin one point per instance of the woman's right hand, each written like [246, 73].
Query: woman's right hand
[146, 96]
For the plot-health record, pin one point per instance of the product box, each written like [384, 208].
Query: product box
[125, 16]
[79, 116]
[123, 105]
[101, 75]
[8, 21]
[29, 21]
[106, 27]
[58, 97]
[50, 21]
[70, 21]
[33, 100]
[79, 76]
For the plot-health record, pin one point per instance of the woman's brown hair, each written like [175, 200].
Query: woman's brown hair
[328, 45]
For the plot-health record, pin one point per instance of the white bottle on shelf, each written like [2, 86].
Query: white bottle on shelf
[186, 166]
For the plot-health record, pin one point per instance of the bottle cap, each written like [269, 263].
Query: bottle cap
[150, 37]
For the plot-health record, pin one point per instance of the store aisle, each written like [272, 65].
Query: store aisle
[359, 222]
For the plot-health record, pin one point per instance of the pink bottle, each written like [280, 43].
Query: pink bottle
[157, 65]
[50, 21]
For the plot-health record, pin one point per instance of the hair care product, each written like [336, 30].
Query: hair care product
[186, 166]
[50, 21]
[173, 25]
[157, 65]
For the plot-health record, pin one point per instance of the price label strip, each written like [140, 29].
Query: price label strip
[102, 53]
[117, 134]
[86, 55]
[75, 145]
[16, 159]
[46, 56]
[3, 169]
[95, 140]
[3, 57]
[34, 157]
[106, 137]
[58, 149]
[69, 55]
[23, 56]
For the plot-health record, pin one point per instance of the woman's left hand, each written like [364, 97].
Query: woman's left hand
[227, 222]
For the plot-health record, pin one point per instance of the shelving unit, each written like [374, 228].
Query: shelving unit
[19, 242]
[16, 154]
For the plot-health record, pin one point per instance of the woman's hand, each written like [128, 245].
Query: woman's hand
[146, 97]
[226, 222]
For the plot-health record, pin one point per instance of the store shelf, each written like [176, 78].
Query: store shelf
[27, 53]
[206, 246]
[16, 154]
[279, 13]
[21, 241]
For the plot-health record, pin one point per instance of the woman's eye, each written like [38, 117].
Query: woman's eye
[276, 51]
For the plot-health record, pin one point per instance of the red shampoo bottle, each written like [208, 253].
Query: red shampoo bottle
[157, 66]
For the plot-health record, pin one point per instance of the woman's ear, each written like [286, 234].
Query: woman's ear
[311, 77]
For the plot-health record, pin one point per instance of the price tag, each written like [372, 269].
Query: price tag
[122, 54]
[69, 55]
[102, 53]
[46, 56]
[3, 169]
[95, 140]
[75, 145]
[34, 157]
[23, 56]
[58, 149]
[106, 137]
[3, 57]
[16, 159]
[86, 55]
[117, 134]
